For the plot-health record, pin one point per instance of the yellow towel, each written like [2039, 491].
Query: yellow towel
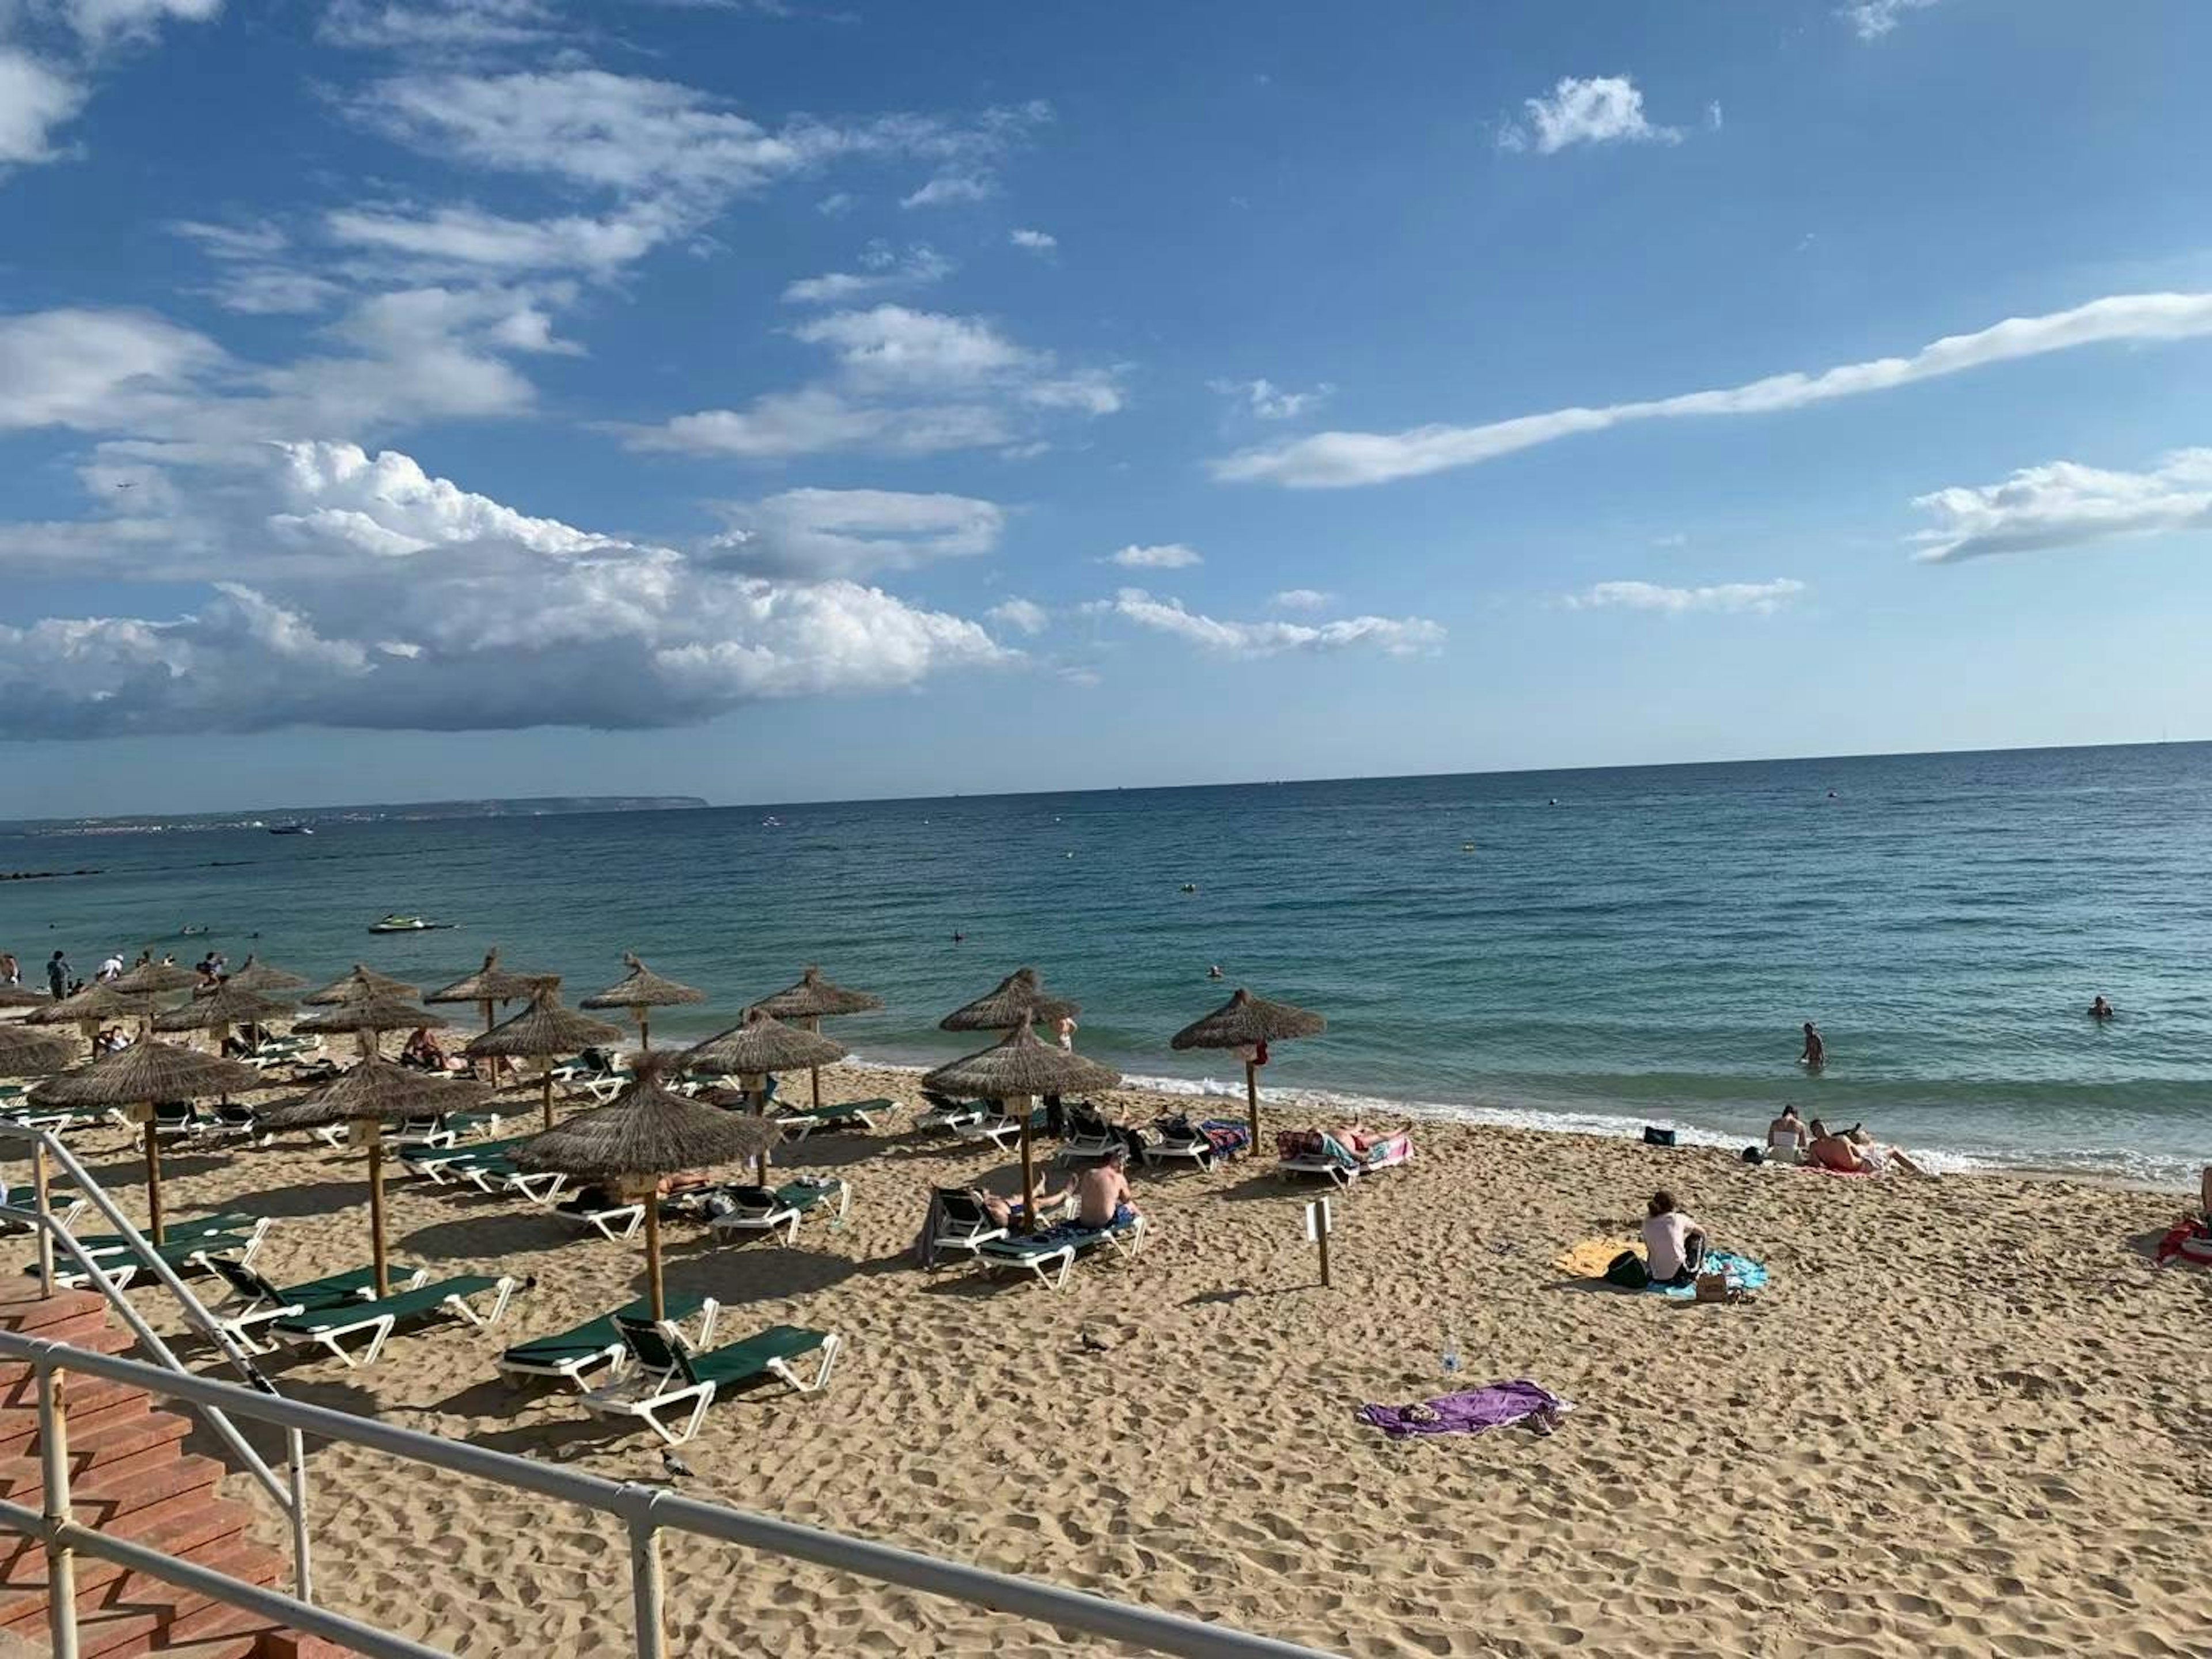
[1591, 1258]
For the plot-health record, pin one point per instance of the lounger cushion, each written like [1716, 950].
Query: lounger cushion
[594, 1336]
[401, 1305]
[751, 1357]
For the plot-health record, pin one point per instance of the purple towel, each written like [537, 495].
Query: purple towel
[1471, 1413]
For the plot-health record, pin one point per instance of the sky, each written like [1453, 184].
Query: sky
[778, 401]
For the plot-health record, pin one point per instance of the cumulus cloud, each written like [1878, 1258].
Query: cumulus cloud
[1338, 459]
[1604, 109]
[882, 267]
[1267, 401]
[810, 534]
[2065, 504]
[1762, 598]
[36, 98]
[1402, 636]
[94, 370]
[1036, 241]
[1872, 19]
[385, 597]
[1022, 614]
[1302, 598]
[1164, 556]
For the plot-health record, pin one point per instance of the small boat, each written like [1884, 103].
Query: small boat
[398, 924]
[290, 829]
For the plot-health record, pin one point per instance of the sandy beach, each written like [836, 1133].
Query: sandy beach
[1967, 1416]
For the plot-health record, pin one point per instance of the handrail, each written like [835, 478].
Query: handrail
[47, 1144]
[645, 1510]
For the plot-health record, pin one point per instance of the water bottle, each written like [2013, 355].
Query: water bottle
[1450, 1354]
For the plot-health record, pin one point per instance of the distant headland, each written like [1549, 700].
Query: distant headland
[308, 819]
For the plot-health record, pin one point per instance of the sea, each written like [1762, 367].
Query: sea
[1592, 951]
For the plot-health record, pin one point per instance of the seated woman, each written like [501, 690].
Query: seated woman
[417, 1050]
[1786, 1137]
[1674, 1244]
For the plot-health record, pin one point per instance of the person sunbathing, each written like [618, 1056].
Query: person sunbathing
[1103, 1198]
[1834, 1151]
[1007, 1212]
[1879, 1158]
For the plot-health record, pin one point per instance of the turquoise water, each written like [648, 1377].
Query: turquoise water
[1644, 951]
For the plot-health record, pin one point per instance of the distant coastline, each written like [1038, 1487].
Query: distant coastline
[420, 811]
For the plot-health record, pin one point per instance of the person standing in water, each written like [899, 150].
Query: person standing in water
[2101, 1009]
[1815, 1056]
[1066, 1029]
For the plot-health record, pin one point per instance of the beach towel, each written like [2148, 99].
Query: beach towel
[2189, 1241]
[1592, 1256]
[1473, 1412]
[1225, 1135]
[1743, 1274]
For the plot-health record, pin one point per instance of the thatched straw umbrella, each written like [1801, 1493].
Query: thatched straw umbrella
[1247, 1023]
[490, 984]
[361, 982]
[1013, 1073]
[810, 1001]
[646, 1133]
[136, 1079]
[542, 1031]
[757, 1045]
[154, 978]
[641, 989]
[29, 1051]
[218, 1010]
[365, 1096]
[85, 1009]
[22, 996]
[1018, 999]
[257, 975]
[368, 1017]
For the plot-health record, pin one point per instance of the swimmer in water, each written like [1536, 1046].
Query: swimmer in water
[2101, 1009]
[1816, 1052]
[1215, 972]
[958, 936]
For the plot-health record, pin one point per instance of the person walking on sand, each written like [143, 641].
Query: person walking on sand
[1815, 1057]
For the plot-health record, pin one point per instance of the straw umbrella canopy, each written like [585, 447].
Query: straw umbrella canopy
[1018, 999]
[368, 1017]
[1016, 1070]
[135, 1078]
[28, 1051]
[155, 979]
[22, 996]
[365, 1096]
[361, 982]
[490, 984]
[641, 989]
[542, 1031]
[1248, 1024]
[646, 1133]
[85, 1009]
[257, 975]
[217, 1011]
[754, 1046]
[809, 1002]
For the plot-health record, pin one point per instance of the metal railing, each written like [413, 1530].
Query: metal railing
[646, 1511]
[289, 1491]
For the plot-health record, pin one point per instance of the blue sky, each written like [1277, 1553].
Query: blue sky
[779, 401]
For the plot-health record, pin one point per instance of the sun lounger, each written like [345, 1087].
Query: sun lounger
[498, 1175]
[184, 1257]
[444, 1165]
[665, 1377]
[1332, 1157]
[62, 1120]
[1049, 1256]
[1179, 1140]
[253, 1300]
[614, 1222]
[181, 1121]
[179, 1232]
[19, 1209]
[797, 1125]
[1089, 1135]
[958, 1222]
[1004, 1133]
[769, 1210]
[946, 1113]
[566, 1357]
[453, 1297]
[281, 1051]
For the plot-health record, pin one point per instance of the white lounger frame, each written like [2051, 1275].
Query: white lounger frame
[238, 1315]
[646, 1394]
[786, 1217]
[615, 1353]
[1051, 1268]
[383, 1323]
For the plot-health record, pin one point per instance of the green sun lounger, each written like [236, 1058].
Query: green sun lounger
[798, 1122]
[781, 1209]
[254, 1300]
[665, 1376]
[597, 1342]
[1049, 1256]
[184, 1257]
[177, 1232]
[445, 1163]
[379, 1318]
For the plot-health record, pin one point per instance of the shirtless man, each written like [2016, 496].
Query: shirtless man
[1103, 1198]
[1834, 1151]
[1815, 1056]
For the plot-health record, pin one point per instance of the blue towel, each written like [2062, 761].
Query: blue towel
[1743, 1273]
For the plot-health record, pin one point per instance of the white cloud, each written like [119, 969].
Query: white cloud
[95, 370]
[836, 204]
[817, 420]
[1714, 120]
[388, 598]
[2064, 504]
[1872, 19]
[881, 267]
[1605, 109]
[1338, 459]
[1270, 402]
[1302, 598]
[36, 98]
[1395, 636]
[101, 22]
[1023, 615]
[894, 346]
[441, 25]
[1165, 555]
[812, 534]
[467, 240]
[1036, 241]
[1762, 598]
[947, 188]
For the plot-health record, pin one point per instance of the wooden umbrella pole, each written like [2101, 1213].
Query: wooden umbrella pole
[1028, 1168]
[814, 1023]
[757, 1092]
[659, 1301]
[153, 1180]
[644, 1037]
[375, 1134]
[545, 1091]
[1252, 1103]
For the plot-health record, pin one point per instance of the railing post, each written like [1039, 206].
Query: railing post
[61, 1559]
[303, 1572]
[646, 1583]
[45, 1217]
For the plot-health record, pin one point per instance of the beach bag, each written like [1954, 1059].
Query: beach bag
[1627, 1270]
[1657, 1137]
[1754, 1155]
